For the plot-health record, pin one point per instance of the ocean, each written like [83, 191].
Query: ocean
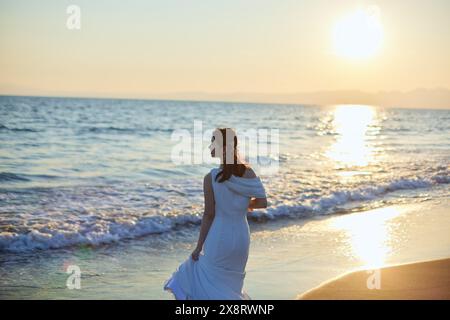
[95, 171]
[98, 187]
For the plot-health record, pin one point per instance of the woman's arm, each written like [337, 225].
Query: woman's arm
[208, 215]
[257, 203]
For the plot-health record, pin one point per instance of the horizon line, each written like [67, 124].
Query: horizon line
[227, 97]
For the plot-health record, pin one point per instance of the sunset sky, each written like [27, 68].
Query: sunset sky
[143, 48]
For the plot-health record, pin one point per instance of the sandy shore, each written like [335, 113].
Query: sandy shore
[421, 280]
[287, 257]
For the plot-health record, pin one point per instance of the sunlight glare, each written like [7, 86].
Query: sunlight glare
[351, 124]
[358, 35]
[368, 234]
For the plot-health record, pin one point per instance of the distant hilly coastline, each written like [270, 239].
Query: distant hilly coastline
[438, 98]
[435, 98]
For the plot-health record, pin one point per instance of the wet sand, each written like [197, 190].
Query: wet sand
[422, 280]
[287, 257]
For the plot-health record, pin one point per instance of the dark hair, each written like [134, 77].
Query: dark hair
[234, 168]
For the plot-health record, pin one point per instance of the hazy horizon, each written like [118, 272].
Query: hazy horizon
[438, 98]
[313, 52]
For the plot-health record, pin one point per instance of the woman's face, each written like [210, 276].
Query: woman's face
[215, 147]
[212, 147]
[218, 150]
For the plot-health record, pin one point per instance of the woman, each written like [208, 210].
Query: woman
[230, 191]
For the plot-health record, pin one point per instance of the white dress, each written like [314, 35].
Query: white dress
[219, 272]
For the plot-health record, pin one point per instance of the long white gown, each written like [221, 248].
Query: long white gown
[219, 272]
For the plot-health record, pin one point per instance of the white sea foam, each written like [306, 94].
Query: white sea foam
[104, 175]
[96, 231]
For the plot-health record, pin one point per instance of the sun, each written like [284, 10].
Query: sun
[358, 35]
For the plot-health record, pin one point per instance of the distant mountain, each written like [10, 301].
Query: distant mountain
[438, 98]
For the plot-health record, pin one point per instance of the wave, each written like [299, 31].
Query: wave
[326, 204]
[5, 128]
[11, 177]
[88, 232]
[109, 129]
[124, 130]
[87, 235]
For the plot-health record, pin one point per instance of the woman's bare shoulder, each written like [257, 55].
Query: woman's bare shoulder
[207, 178]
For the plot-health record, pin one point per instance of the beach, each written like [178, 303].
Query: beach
[109, 122]
[356, 187]
[425, 280]
[306, 256]
[287, 258]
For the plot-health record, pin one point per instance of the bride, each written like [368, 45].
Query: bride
[230, 191]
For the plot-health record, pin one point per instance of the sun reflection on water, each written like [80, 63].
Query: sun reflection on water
[369, 234]
[353, 125]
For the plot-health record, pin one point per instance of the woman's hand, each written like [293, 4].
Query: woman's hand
[250, 205]
[257, 203]
[196, 253]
